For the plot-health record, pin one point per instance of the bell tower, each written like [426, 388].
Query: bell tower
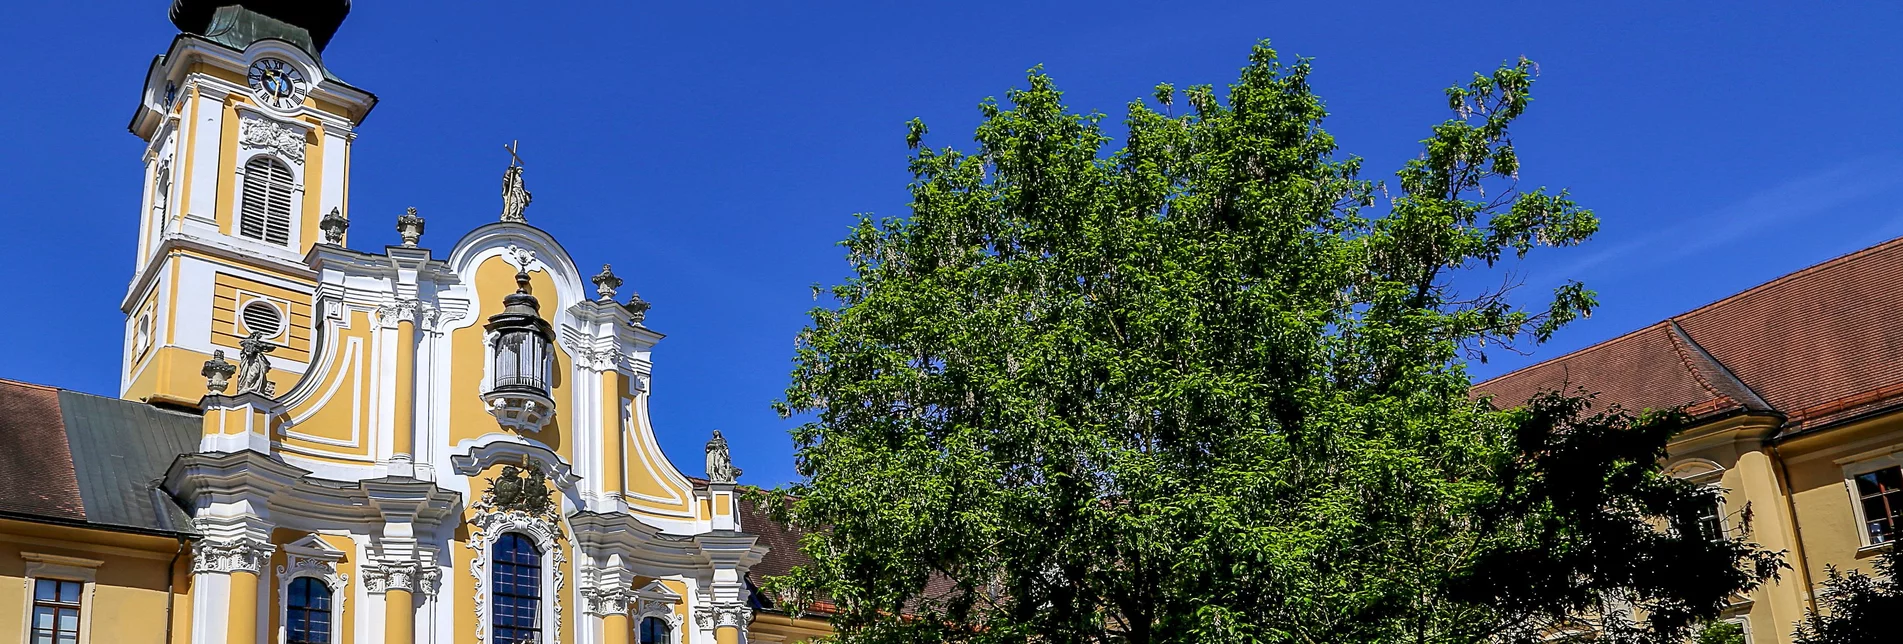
[246, 168]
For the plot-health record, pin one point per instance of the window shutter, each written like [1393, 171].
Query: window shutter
[267, 201]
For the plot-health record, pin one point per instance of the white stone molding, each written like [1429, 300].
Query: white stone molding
[311, 557]
[243, 554]
[523, 259]
[263, 133]
[657, 600]
[85, 571]
[485, 529]
[60, 567]
[470, 456]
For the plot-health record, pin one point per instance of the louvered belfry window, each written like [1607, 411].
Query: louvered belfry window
[265, 213]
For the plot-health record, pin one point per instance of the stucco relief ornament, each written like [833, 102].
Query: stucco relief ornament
[312, 557]
[720, 467]
[271, 135]
[253, 366]
[236, 555]
[606, 600]
[711, 617]
[516, 501]
[334, 225]
[606, 283]
[515, 196]
[522, 490]
[386, 576]
[218, 372]
[410, 227]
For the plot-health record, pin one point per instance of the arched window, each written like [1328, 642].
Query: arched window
[515, 610]
[307, 612]
[654, 631]
[265, 213]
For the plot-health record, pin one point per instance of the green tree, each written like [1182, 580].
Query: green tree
[1197, 389]
[1859, 608]
[1720, 633]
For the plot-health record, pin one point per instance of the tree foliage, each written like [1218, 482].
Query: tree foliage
[1209, 386]
[1858, 608]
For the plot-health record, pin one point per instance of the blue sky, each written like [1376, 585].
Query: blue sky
[715, 151]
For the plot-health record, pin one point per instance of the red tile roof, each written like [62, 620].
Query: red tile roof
[1818, 345]
[36, 468]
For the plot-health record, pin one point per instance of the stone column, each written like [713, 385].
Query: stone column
[606, 592]
[730, 624]
[242, 560]
[402, 445]
[396, 580]
[611, 604]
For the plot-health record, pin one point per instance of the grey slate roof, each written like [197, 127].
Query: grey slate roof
[121, 449]
[79, 459]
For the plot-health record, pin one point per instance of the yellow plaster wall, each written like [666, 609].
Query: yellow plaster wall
[309, 234]
[174, 376]
[642, 472]
[226, 330]
[127, 604]
[227, 165]
[468, 418]
[147, 308]
[1826, 511]
[349, 371]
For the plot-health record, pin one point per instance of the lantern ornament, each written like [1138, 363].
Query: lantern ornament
[521, 358]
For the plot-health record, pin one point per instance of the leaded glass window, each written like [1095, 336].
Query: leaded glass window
[654, 631]
[515, 605]
[307, 612]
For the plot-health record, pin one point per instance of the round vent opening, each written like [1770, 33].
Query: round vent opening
[263, 317]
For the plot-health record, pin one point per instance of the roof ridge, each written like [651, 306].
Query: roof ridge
[31, 385]
[1672, 320]
[1679, 342]
[1590, 347]
[1739, 392]
[1833, 262]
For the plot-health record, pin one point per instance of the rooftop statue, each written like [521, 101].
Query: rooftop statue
[253, 366]
[720, 467]
[515, 197]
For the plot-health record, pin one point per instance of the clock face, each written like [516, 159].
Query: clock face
[277, 83]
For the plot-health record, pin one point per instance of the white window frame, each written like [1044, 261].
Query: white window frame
[311, 557]
[1854, 466]
[141, 334]
[245, 299]
[44, 566]
[1706, 473]
[548, 538]
[657, 600]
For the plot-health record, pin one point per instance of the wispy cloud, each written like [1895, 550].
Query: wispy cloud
[1798, 198]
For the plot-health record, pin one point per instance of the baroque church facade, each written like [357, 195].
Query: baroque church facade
[319, 443]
